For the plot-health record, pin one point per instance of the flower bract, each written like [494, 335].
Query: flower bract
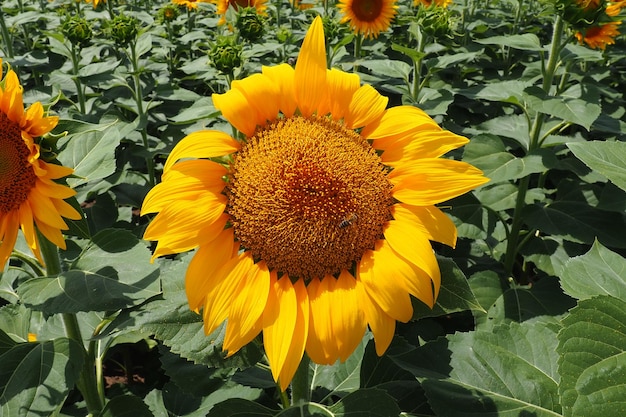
[319, 224]
[30, 198]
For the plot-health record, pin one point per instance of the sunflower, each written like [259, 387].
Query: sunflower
[428, 3]
[29, 196]
[598, 37]
[222, 7]
[320, 223]
[614, 8]
[191, 4]
[96, 2]
[368, 17]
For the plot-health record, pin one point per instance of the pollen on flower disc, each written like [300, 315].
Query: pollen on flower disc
[17, 177]
[308, 196]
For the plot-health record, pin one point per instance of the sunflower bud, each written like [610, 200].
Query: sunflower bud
[580, 13]
[250, 24]
[436, 21]
[77, 30]
[226, 54]
[284, 35]
[123, 29]
[168, 13]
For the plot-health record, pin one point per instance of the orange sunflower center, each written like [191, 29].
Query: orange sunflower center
[308, 196]
[367, 10]
[17, 177]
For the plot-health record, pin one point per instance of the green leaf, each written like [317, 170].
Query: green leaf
[574, 110]
[201, 109]
[366, 403]
[126, 406]
[90, 153]
[598, 272]
[35, 378]
[504, 91]
[521, 303]
[15, 321]
[607, 158]
[592, 364]
[489, 373]
[340, 377]
[236, 407]
[6, 343]
[113, 272]
[388, 68]
[578, 222]
[526, 42]
[455, 293]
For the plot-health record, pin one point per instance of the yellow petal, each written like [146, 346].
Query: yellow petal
[282, 76]
[398, 122]
[12, 104]
[202, 144]
[285, 327]
[432, 222]
[235, 108]
[320, 345]
[340, 86]
[262, 96]
[406, 238]
[246, 308]
[54, 171]
[217, 302]
[423, 144]
[382, 325]
[347, 320]
[298, 338]
[44, 210]
[51, 233]
[8, 235]
[382, 285]
[367, 105]
[28, 227]
[202, 272]
[426, 182]
[310, 74]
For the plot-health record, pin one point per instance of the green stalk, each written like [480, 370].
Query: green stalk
[5, 35]
[417, 67]
[79, 87]
[300, 389]
[143, 117]
[358, 42]
[512, 247]
[86, 383]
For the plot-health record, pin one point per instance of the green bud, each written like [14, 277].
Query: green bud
[580, 13]
[168, 13]
[77, 30]
[284, 34]
[250, 25]
[226, 54]
[435, 21]
[123, 29]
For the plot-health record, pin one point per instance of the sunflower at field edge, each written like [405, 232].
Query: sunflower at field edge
[96, 2]
[368, 17]
[598, 37]
[30, 199]
[223, 5]
[319, 225]
[190, 4]
[428, 3]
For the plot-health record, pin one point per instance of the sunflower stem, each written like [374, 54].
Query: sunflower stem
[5, 36]
[86, 383]
[79, 86]
[513, 247]
[300, 387]
[143, 117]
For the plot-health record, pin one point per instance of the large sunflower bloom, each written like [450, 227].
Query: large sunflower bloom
[308, 234]
[368, 17]
[29, 196]
[222, 7]
[598, 37]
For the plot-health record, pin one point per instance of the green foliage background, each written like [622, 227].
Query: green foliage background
[531, 320]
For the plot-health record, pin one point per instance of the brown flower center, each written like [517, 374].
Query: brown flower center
[308, 196]
[367, 10]
[17, 176]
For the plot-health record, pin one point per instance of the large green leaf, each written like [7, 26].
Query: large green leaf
[607, 158]
[35, 378]
[489, 373]
[91, 153]
[526, 41]
[598, 272]
[578, 222]
[579, 111]
[235, 407]
[592, 364]
[126, 406]
[340, 378]
[113, 272]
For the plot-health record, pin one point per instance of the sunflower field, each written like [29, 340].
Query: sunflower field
[255, 208]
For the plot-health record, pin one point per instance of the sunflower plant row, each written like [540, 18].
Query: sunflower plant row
[312, 208]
